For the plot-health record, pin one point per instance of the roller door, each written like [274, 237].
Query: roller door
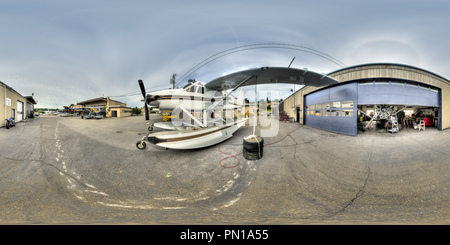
[333, 109]
[19, 111]
[391, 92]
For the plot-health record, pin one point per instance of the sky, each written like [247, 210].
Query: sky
[65, 52]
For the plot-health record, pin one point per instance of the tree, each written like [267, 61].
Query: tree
[136, 111]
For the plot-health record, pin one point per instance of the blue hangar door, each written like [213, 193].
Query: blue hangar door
[397, 92]
[333, 109]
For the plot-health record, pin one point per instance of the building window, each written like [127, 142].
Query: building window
[347, 113]
[347, 104]
[335, 113]
[362, 83]
[326, 106]
[318, 107]
[398, 83]
[336, 104]
[326, 113]
[318, 113]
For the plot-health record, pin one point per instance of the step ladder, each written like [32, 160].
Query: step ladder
[392, 125]
[422, 125]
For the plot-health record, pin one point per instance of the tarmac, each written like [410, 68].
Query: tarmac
[68, 170]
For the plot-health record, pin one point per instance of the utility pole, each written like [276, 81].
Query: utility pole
[172, 80]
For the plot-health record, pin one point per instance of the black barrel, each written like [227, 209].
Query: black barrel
[253, 148]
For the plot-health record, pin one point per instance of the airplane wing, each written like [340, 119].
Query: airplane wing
[270, 75]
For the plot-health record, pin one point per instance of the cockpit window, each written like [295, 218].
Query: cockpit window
[189, 88]
[200, 89]
[194, 88]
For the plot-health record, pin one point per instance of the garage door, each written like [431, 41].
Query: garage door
[333, 109]
[19, 111]
[397, 92]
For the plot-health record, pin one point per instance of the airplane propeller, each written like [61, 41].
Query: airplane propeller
[141, 85]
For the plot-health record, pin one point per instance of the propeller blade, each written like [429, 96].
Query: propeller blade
[141, 85]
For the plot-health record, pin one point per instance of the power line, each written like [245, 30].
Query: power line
[240, 49]
[137, 93]
[264, 45]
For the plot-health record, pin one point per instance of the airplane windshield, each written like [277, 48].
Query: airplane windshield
[190, 88]
[194, 88]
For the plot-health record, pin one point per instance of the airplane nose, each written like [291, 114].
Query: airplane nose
[152, 100]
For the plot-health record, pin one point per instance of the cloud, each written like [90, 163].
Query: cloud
[390, 51]
[68, 51]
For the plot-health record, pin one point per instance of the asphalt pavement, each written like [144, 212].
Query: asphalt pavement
[68, 170]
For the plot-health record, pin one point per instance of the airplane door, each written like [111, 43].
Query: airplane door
[19, 111]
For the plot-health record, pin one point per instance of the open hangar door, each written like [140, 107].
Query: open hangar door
[406, 117]
[382, 102]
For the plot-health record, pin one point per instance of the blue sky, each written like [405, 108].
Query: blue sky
[69, 51]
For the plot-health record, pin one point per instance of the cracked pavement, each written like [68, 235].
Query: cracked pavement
[72, 170]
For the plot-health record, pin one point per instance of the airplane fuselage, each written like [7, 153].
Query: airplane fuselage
[193, 97]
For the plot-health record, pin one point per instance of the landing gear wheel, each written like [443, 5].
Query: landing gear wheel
[150, 128]
[141, 145]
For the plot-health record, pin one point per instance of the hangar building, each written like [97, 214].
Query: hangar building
[367, 87]
[13, 104]
[113, 108]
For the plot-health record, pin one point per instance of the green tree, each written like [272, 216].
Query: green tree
[136, 111]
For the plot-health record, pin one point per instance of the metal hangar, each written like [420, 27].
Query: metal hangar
[107, 107]
[383, 89]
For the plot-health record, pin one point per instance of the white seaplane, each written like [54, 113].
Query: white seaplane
[198, 105]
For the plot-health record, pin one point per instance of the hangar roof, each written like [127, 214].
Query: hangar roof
[6, 85]
[31, 99]
[101, 99]
[390, 64]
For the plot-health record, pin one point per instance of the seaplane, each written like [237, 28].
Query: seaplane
[203, 108]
